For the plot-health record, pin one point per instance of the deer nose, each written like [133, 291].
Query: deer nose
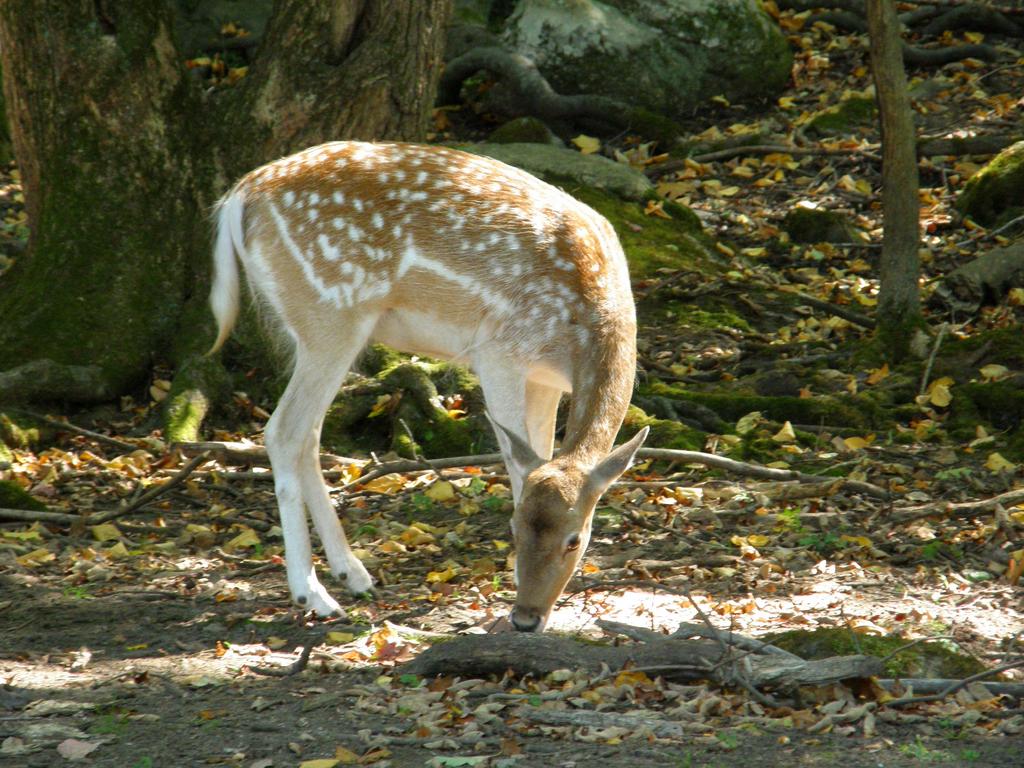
[526, 620]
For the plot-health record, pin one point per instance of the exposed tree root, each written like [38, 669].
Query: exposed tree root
[984, 280]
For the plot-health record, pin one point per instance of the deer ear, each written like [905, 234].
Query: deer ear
[614, 464]
[520, 453]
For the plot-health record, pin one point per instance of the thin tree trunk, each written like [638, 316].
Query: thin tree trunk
[899, 311]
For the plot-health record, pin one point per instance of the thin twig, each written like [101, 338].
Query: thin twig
[97, 436]
[959, 684]
[151, 494]
[931, 358]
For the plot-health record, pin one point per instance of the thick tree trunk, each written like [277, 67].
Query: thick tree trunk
[122, 156]
[899, 310]
[96, 102]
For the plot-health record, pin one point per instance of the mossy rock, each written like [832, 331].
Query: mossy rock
[854, 411]
[664, 433]
[995, 194]
[397, 408]
[818, 225]
[16, 436]
[844, 118]
[527, 130]
[13, 496]
[932, 660]
[652, 242]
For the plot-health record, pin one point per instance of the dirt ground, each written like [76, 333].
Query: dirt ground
[160, 674]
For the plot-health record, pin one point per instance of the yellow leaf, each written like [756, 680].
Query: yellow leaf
[1015, 296]
[340, 638]
[441, 577]
[392, 547]
[855, 443]
[106, 532]
[501, 546]
[346, 756]
[632, 677]
[743, 171]
[380, 406]
[276, 643]
[938, 392]
[860, 541]
[996, 463]
[325, 762]
[785, 435]
[589, 568]
[117, 551]
[415, 536]
[442, 490]
[386, 484]
[748, 423]
[878, 374]
[29, 535]
[757, 540]
[994, 372]
[247, 538]
[656, 208]
[36, 557]
[787, 102]
[587, 145]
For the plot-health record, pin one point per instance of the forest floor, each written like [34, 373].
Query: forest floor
[141, 641]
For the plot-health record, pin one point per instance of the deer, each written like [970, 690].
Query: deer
[442, 253]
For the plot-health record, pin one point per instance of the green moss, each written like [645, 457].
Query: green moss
[715, 314]
[665, 433]
[818, 225]
[857, 411]
[13, 496]
[198, 380]
[528, 130]
[934, 659]
[650, 242]
[843, 118]
[15, 435]
[995, 194]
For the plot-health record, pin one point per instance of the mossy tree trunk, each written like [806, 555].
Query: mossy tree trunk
[122, 156]
[899, 309]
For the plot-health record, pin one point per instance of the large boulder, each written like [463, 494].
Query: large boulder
[665, 55]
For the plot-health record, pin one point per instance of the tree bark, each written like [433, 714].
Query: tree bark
[122, 155]
[899, 310]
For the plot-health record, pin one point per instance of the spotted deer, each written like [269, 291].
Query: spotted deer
[443, 253]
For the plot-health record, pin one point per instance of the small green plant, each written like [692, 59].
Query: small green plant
[493, 504]
[143, 762]
[77, 592]
[789, 520]
[955, 473]
[919, 751]
[110, 724]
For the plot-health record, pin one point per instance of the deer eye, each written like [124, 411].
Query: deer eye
[573, 543]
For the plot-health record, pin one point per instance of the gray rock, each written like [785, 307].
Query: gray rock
[665, 55]
[554, 163]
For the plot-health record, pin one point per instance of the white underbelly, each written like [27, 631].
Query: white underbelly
[422, 333]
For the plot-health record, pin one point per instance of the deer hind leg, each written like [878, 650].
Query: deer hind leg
[292, 438]
[541, 409]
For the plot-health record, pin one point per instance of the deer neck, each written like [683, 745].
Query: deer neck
[602, 387]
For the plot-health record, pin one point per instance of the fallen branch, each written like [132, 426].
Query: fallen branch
[38, 516]
[962, 508]
[677, 660]
[751, 470]
[985, 280]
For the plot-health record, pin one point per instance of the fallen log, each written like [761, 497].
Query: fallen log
[672, 659]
